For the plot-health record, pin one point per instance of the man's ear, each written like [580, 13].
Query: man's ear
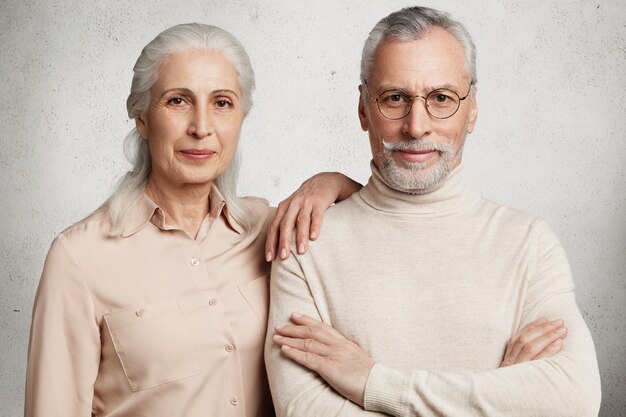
[362, 111]
[473, 112]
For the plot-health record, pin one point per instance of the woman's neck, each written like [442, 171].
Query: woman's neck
[185, 207]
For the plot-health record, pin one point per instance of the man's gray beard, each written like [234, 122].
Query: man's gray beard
[411, 178]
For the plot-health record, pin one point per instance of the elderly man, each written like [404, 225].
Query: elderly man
[416, 283]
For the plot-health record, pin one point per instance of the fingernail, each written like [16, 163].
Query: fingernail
[283, 253]
[313, 235]
[268, 256]
[561, 330]
[301, 248]
[296, 315]
[559, 322]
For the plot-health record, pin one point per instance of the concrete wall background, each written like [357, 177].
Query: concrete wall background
[549, 140]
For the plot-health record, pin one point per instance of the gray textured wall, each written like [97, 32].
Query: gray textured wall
[549, 140]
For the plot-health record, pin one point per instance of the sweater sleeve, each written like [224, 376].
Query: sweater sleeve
[567, 384]
[64, 348]
[297, 391]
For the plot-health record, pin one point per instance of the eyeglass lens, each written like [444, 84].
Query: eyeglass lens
[440, 104]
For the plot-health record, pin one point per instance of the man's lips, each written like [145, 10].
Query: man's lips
[417, 151]
[416, 155]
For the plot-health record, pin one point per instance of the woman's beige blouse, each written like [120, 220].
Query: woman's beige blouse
[153, 323]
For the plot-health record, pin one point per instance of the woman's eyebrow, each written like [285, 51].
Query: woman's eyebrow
[180, 90]
[187, 91]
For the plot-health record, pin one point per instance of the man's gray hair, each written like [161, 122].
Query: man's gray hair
[413, 23]
[180, 38]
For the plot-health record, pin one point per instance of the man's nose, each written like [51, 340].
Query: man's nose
[418, 122]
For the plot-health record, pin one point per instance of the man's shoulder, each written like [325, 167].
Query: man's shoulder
[514, 218]
[344, 211]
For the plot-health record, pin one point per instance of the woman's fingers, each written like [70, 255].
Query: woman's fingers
[273, 232]
[307, 359]
[304, 320]
[303, 223]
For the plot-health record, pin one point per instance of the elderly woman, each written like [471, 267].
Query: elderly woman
[156, 304]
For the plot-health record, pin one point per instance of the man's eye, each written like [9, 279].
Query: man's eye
[393, 98]
[442, 98]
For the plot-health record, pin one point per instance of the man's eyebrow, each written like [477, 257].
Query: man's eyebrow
[385, 88]
[428, 89]
[446, 86]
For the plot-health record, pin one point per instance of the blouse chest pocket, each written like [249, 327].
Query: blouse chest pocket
[153, 344]
[257, 295]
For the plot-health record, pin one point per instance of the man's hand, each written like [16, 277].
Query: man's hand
[538, 339]
[345, 366]
[319, 347]
[305, 210]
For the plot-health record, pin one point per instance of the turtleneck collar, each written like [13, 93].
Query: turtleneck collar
[450, 195]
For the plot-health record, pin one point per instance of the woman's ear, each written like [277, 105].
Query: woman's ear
[141, 124]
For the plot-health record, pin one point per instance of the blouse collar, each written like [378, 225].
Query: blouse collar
[147, 211]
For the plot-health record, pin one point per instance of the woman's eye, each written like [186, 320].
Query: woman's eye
[176, 101]
[223, 103]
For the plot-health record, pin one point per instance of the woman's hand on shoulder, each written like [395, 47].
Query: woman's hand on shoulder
[304, 210]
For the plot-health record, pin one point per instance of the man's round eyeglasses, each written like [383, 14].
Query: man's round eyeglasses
[441, 103]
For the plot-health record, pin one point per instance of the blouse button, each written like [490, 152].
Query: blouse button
[234, 401]
[212, 301]
[229, 348]
[194, 261]
[139, 312]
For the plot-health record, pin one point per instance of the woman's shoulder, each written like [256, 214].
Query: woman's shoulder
[95, 226]
[261, 214]
[257, 206]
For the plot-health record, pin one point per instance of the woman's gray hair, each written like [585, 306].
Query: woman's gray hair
[413, 23]
[180, 38]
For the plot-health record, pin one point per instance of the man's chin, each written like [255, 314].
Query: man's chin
[414, 178]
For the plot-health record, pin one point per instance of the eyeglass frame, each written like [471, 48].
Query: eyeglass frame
[412, 97]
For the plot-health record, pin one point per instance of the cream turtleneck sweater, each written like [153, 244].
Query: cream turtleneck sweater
[432, 286]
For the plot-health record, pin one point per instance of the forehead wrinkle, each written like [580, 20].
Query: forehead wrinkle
[199, 68]
[433, 61]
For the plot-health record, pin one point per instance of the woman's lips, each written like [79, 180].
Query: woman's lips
[197, 154]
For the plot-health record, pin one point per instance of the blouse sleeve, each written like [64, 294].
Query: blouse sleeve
[64, 347]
